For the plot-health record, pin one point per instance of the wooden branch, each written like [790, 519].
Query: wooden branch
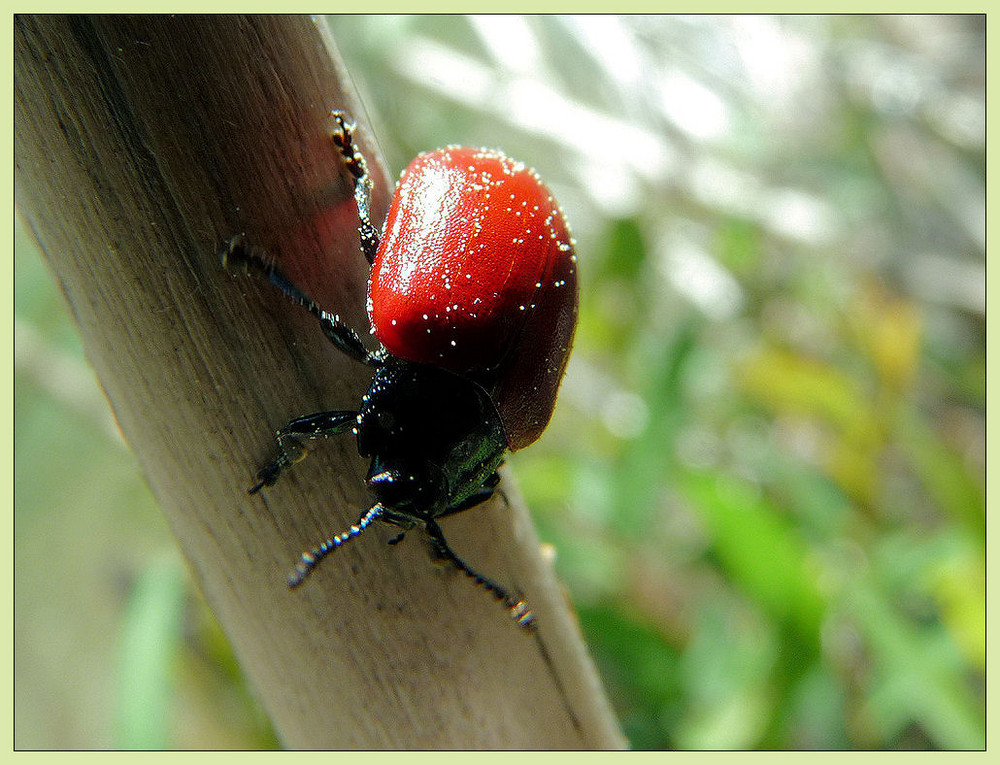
[141, 145]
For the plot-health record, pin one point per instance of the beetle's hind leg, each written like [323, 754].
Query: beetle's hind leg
[237, 254]
[343, 139]
[291, 436]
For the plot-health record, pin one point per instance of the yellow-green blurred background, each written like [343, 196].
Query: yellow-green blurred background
[765, 478]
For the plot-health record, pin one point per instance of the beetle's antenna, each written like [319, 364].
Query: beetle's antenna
[519, 610]
[311, 558]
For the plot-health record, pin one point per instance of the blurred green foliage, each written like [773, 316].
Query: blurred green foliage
[765, 480]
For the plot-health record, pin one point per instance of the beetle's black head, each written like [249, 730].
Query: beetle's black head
[412, 487]
[433, 436]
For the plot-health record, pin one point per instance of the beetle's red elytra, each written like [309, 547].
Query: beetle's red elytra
[476, 273]
[473, 299]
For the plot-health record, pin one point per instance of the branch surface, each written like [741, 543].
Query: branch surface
[141, 145]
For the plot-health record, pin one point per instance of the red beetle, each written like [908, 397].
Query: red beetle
[473, 297]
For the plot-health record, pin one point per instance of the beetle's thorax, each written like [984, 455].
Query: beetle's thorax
[433, 437]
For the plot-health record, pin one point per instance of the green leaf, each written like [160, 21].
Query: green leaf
[759, 549]
[150, 635]
[943, 472]
[916, 675]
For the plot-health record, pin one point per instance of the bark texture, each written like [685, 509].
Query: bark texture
[141, 145]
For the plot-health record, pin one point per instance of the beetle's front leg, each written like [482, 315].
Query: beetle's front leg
[290, 438]
[404, 522]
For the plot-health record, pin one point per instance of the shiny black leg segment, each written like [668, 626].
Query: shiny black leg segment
[396, 519]
[290, 437]
[346, 339]
[474, 500]
[311, 558]
[518, 609]
[343, 139]
[471, 501]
